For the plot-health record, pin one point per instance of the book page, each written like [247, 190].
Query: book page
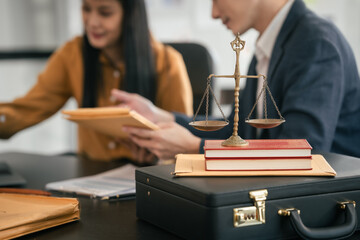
[113, 183]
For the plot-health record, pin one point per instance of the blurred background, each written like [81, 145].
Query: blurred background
[29, 26]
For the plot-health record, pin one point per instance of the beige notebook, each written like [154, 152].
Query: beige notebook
[108, 121]
[194, 165]
[21, 214]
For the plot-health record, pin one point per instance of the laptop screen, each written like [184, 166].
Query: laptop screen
[9, 178]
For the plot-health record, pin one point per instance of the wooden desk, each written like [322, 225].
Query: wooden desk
[99, 219]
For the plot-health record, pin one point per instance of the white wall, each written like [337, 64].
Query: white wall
[49, 23]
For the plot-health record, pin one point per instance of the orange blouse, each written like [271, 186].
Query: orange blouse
[63, 78]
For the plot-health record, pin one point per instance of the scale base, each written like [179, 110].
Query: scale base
[234, 141]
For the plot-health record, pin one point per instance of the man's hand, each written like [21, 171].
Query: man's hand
[165, 143]
[141, 105]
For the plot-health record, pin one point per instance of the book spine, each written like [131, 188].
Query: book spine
[251, 170]
[256, 158]
[261, 144]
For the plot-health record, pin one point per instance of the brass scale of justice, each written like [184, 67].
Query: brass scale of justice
[213, 125]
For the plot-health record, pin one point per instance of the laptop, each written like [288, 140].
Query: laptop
[9, 178]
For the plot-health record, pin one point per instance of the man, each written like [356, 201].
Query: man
[311, 72]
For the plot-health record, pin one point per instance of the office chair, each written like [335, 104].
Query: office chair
[199, 65]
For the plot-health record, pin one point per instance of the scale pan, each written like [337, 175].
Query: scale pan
[211, 125]
[265, 123]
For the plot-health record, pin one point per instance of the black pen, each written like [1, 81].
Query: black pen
[119, 197]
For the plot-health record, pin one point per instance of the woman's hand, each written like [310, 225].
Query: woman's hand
[165, 143]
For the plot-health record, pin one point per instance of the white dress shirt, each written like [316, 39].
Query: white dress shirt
[264, 47]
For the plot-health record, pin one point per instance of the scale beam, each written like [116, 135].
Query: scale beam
[235, 140]
[221, 76]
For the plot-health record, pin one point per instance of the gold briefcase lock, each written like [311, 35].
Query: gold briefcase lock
[252, 215]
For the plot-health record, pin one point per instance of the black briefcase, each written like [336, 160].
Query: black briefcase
[252, 207]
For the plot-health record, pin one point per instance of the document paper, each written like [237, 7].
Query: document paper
[113, 183]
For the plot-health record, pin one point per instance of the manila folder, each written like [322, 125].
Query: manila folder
[22, 214]
[194, 165]
[109, 120]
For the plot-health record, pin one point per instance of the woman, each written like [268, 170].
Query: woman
[116, 51]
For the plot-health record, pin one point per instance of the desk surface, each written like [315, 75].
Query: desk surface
[99, 219]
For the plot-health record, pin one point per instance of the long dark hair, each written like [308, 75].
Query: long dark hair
[139, 57]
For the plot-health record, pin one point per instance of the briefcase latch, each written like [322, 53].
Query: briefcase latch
[252, 215]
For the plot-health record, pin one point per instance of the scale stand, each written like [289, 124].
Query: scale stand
[209, 125]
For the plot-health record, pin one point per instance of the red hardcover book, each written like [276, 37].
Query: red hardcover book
[259, 148]
[258, 164]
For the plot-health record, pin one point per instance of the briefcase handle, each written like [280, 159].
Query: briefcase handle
[334, 232]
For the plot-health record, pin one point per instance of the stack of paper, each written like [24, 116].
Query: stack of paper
[117, 183]
[108, 121]
[22, 214]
